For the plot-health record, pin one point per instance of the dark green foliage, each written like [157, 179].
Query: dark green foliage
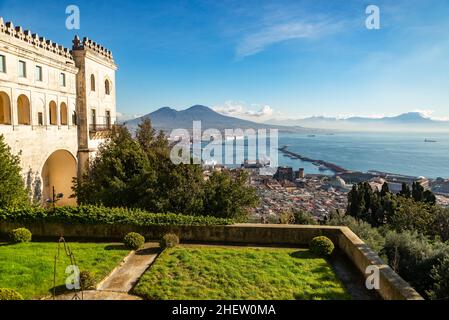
[303, 217]
[227, 196]
[134, 241]
[440, 276]
[138, 173]
[414, 257]
[170, 240]
[405, 191]
[12, 187]
[371, 236]
[9, 294]
[20, 235]
[103, 215]
[322, 246]
[119, 176]
[87, 280]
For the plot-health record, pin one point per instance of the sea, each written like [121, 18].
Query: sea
[412, 154]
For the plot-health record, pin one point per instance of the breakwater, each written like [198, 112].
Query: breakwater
[328, 165]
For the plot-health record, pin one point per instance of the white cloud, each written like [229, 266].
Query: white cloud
[258, 41]
[254, 112]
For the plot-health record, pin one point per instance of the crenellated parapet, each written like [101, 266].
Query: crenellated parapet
[87, 44]
[33, 39]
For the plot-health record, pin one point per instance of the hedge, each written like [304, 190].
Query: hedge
[103, 215]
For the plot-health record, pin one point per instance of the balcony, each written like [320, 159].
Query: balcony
[94, 128]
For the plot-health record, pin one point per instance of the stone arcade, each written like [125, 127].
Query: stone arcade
[55, 106]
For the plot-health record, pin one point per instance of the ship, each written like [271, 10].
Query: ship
[430, 140]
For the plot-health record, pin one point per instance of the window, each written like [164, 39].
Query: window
[52, 112]
[2, 63]
[74, 121]
[108, 119]
[63, 113]
[94, 118]
[22, 69]
[92, 82]
[106, 87]
[62, 79]
[38, 73]
[40, 118]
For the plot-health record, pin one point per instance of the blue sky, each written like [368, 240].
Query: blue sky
[263, 59]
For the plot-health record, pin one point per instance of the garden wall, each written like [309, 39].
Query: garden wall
[392, 287]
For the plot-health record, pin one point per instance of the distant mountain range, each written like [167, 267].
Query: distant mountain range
[407, 121]
[168, 119]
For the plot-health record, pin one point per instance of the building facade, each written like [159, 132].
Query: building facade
[56, 105]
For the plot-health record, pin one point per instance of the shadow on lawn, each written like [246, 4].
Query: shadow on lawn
[116, 247]
[303, 255]
[58, 290]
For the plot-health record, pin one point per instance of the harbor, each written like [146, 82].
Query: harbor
[323, 165]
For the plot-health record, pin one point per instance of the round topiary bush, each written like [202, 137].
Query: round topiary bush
[87, 280]
[9, 294]
[322, 246]
[134, 240]
[20, 235]
[169, 240]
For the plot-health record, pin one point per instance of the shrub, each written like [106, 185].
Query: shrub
[370, 235]
[169, 240]
[440, 275]
[134, 240]
[414, 258]
[322, 246]
[106, 216]
[9, 294]
[304, 218]
[20, 235]
[87, 280]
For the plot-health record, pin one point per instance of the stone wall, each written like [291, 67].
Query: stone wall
[392, 287]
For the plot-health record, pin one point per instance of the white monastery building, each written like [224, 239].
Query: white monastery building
[56, 105]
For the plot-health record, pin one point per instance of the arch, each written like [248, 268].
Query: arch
[5, 109]
[63, 114]
[107, 87]
[92, 82]
[52, 112]
[58, 172]
[23, 110]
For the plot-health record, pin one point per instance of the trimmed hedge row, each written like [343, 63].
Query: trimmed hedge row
[103, 215]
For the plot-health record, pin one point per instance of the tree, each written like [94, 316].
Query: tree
[120, 175]
[228, 196]
[405, 192]
[417, 192]
[385, 189]
[12, 186]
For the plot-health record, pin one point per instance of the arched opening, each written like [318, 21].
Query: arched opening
[52, 112]
[5, 109]
[23, 110]
[74, 118]
[92, 82]
[63, 114]
[107, 89]
[58, 172]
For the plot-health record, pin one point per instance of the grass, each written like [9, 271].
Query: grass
[223, 273]
[28, 267]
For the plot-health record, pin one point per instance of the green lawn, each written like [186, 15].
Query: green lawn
[208, 273]
[28, 267]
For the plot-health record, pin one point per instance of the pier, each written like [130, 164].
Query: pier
[331, 166]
